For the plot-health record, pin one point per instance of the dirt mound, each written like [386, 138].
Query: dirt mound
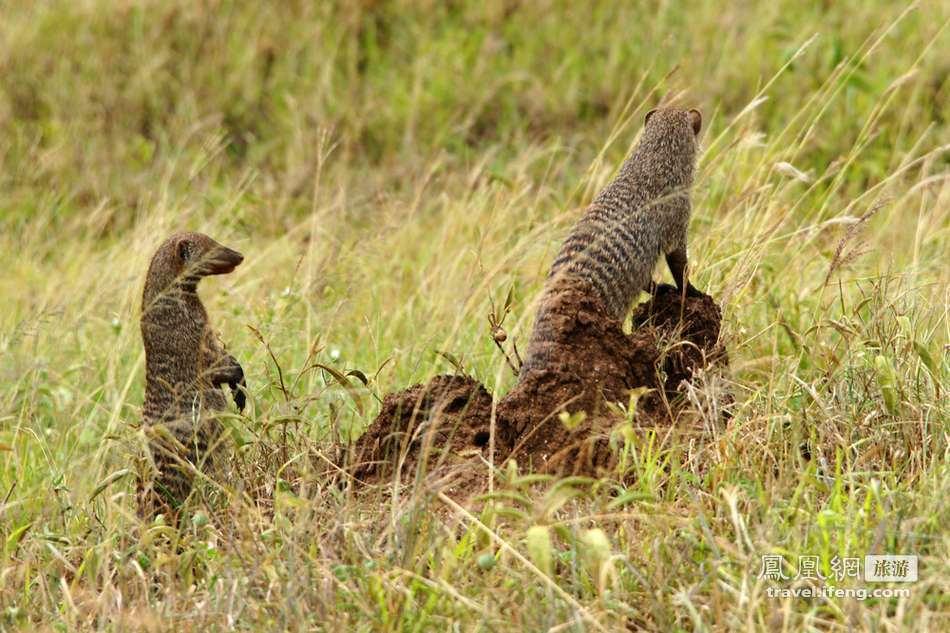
[590, 367]
[588, 362]
[443, 421]
[690, 329]
[594, 363]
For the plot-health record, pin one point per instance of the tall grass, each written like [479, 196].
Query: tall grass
[390, 170]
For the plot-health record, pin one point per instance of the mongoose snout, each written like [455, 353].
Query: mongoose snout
[213, 260]
[224, 262]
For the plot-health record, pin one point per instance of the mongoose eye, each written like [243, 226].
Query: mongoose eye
[184, 250]
[695, 120]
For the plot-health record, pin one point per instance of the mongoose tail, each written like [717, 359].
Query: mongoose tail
[643, 213]
[185, 363]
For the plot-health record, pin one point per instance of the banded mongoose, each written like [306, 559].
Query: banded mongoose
[644, 212]
[185, 364]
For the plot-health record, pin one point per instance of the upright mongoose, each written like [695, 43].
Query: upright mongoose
[185, 365]
[644, 212]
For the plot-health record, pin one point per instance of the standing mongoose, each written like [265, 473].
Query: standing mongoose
[185, 364]
[644, 212]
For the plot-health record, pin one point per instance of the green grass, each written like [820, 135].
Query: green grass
[389, 169]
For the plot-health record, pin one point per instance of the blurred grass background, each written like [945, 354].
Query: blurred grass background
[391, 168]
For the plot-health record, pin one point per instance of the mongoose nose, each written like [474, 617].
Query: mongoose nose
[234, 256]
[224, 261]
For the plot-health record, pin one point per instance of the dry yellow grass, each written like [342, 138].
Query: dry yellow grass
[387, 169]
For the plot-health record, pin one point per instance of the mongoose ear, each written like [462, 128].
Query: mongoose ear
[184, 250]
[646, 119]
[695, 120]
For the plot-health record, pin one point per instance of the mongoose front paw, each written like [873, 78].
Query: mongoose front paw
[658, 288]
[692, 291]
[238, 384]
[232, 375]
[238, 392]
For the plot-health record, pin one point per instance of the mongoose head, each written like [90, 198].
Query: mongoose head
[184, 259]
[676, 118]
[668, 147]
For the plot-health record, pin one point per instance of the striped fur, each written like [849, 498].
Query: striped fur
[642, 214]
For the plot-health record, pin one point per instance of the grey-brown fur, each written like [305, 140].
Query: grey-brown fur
[643, 213]
[185, 364]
